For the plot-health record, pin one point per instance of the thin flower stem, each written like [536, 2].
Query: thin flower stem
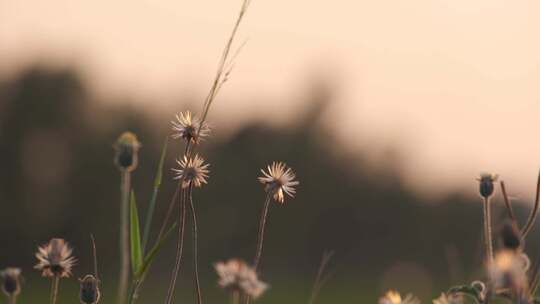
[195, 248]
[508, 204]
[54, 289]
[124, 236]
[262, 225]
[318, 279]
[179, 248]
[235, 297]
[13, 299]
[532, 217]
[487, 231]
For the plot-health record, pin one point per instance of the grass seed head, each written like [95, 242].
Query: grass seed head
[192, 171]
[236, 275]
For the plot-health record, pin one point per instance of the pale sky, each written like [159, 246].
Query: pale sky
[454, 83]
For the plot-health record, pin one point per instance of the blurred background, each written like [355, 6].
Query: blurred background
[387, 110]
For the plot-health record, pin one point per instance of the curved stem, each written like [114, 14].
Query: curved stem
[487, 231]
[179, 249]
[534, 212]
[508, 204]
[54, 289]
[124, 236]
[262, 225]
[195, 248]
[318, 279]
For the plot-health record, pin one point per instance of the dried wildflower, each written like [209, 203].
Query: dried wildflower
[236, 275]
[448, 299]
[186, 127]
[393, 297]
[279, 180]
[192, 171]
[509, 270]
[511, 237]
[486, 184]
[127, 151]
[55, 259]
[11, 281]
[89, 292]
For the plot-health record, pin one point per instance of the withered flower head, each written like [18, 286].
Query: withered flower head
[89, 292]
[54, 259]
[486, 184]
[509, 270]
[127, 152]
[448, 299]
[11, 281]
[279, 180]
[192, 171]
[393, 297]
[186, 127]
[236, 275]
[511, 237]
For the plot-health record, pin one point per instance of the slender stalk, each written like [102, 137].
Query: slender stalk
[262, 225]
[235, 297]
[508, 204]
[124, 236]
[149, 216]
[318, 279]
[54, 288]
[487, 231]
[195, 248]
[532, 217]
[179, 248]
[13, 299]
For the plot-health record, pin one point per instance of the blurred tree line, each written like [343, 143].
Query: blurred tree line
[57, 179]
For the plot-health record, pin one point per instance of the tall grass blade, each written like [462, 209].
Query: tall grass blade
[152, 253]
[152, 205]
[135, 235]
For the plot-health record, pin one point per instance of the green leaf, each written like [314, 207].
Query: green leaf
[152, 253]
[159, 174]
[135, 236]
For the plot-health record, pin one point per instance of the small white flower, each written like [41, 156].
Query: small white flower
[279, 180]
[236, 275]
[54, 259]
[192, 171]
[393, 297]
[186, 126]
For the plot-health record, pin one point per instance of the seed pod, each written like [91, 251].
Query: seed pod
[486, 184]
[127, 151]
[89, 293]
[11, 281]
[511, 237]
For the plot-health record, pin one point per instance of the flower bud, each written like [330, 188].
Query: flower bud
[127, 152]
[11, 281]
[486, 184]
[89, 292]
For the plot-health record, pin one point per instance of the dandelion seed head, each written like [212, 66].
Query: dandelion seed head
[11, 281]
[236, 275]
[89, 291]
[54, 259]
[279, 180]
[186, 127]
[192, 171]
